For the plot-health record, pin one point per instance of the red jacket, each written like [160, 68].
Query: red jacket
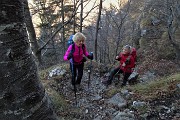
[128, 65]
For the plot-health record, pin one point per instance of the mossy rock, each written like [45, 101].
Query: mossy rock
[164, 36]
[166, 50]
[177, 35]
[143, 42]
[145, 22]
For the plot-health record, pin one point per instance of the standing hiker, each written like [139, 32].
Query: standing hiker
[74, 54]
[126, 64]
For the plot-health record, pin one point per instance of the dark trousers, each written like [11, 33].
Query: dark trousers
[77, 73]
[118, 70]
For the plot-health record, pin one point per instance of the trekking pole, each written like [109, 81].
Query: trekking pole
[89, 71]
[118, 75]
[72, 66]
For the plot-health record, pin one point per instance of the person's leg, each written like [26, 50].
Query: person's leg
[125, 79]
[80, 73]
[119, 74]
[73, 72]
[112, 73]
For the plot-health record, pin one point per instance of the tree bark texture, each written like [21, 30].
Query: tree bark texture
[97, 29]
[31, 33]
[171, 27]
[81, 16]
[74, 18]
[22, 96]
[63, 30]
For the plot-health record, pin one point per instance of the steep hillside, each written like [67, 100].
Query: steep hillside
[158, 52]
[158, 99]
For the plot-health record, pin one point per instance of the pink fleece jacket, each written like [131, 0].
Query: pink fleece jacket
[77, 54]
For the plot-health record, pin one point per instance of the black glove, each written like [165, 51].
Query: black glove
[84, 59]
[90, 56]
[70, 55]
[127, 61]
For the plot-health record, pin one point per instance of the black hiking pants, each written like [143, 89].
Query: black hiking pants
[118, 71]
[78, 73]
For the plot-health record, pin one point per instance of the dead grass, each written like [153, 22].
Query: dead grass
[112, 92]
[152, 90]
[57, 100]
[157, 88]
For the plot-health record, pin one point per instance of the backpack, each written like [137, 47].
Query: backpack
[134, 53]
[71, 42]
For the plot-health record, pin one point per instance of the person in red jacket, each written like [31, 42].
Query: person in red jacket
[126, 66]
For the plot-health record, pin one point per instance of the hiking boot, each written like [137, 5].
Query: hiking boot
[106, 82]
[72, 87]
[78, 87]
[123, 84]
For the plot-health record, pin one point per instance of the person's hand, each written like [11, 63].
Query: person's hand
[70, 55]
[90, 56]
[127, 61]
[117, 57]
[124, 64]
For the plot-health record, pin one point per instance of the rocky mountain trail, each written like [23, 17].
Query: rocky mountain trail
[99, 102]
[92, 102]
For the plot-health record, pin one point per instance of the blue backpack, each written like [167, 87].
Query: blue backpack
[70, 40]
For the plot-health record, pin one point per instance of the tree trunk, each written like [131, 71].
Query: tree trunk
[31, 33]
[100, 54]
[22, 96]
[97, 28]
[171, 29]
[74, 21]
[63, 30]
[81, 16]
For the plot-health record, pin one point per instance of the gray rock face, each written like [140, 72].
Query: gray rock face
[147, 77]
[143, 32]
[137, 104]
[155, 21]
[124, 116]
[178, 87]
[96, 98]
[56, 72]
[117, 100]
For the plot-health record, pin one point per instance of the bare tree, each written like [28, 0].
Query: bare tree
[173, 25]
[81, 16]
[22, 96]
[74, 20]
[97, 28]
[31, 33]
[118, 21]
[63, 30]
[84, 16]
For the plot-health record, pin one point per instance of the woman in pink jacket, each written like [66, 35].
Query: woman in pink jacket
[74, 54]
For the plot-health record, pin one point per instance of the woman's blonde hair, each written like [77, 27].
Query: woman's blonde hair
[79, 36]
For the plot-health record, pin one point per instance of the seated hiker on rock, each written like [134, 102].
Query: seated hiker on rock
[75, 54]
[125, 67]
